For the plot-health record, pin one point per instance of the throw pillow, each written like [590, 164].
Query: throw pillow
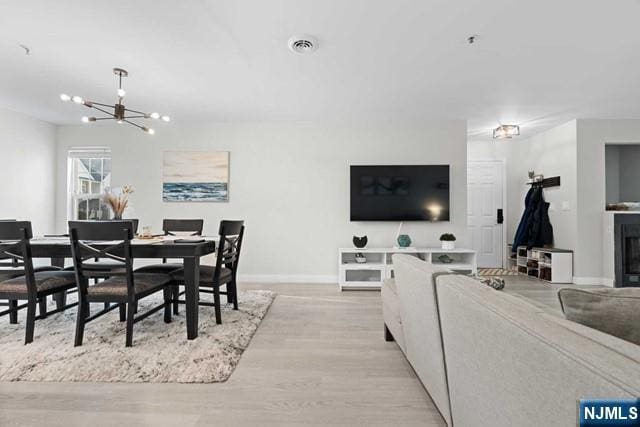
[615, 311]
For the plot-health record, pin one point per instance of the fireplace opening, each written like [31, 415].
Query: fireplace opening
[627, 250]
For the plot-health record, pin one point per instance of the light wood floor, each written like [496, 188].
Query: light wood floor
[319, 358]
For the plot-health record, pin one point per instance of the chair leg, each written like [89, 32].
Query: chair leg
[216, 301]
[123, 312]
[135, 307]
[42, 306]
[13, 315]
[31, 320]
[131, 312]
[176, 296]
[229, 293]
[168, 292]
[235, 295]
[80, 322]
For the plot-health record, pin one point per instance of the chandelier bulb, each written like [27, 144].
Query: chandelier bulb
[77, 100]
[151, 131]
[85, 119]
[166, 118]
[64, 97]
[154, 116]
[121, 93]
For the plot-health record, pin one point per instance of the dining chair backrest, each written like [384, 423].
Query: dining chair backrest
[172, 226]
[229, 245]
[91, 240]
[15, 250]
[5, 220]
[135, 222]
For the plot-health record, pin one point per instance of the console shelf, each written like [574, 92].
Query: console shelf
[379, 265]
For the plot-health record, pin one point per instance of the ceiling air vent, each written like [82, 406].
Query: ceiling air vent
[303, 44]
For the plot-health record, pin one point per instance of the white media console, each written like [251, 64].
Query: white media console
[379, 266]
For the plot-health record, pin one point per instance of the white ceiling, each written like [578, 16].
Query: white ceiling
[535, 63]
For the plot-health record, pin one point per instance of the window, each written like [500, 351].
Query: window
[89, 174]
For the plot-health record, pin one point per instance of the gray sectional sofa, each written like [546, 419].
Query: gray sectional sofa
[489, 358]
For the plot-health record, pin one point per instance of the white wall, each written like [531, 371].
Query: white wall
[27, 170]
[289, 181]
[551, 153]
[593, 134]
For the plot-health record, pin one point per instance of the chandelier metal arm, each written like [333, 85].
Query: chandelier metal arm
[135, 124]
[136, 111]
[104, 118]
[90, 104]
[144, 116]
[105, 111]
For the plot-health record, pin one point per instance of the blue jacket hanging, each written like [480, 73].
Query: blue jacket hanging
[535, 226]
[530, 203]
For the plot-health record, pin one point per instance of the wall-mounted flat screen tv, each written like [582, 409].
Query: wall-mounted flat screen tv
[400, 193]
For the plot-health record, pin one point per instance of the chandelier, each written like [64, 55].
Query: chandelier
[120, 113]
[506, 131]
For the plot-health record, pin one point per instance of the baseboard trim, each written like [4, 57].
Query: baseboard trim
[592, 281]
[288, 278]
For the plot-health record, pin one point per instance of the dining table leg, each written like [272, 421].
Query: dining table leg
[61, 297]
[192, 294]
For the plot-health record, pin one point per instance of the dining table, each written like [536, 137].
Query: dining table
[190, 250]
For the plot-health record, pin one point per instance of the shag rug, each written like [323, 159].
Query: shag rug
[160, 353]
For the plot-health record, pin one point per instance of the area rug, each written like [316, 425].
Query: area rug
[160, 353]
[496, 272]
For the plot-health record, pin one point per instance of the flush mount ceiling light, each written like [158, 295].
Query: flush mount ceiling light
[303, 44]
[120, 113]
[506, 131]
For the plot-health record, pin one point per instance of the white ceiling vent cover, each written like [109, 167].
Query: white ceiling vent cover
[303, 44]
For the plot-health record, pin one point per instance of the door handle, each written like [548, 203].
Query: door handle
[499, 217]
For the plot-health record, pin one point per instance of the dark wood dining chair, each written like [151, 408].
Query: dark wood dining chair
[171, 227]
[32, 286]
[225, 271]
[112, 240]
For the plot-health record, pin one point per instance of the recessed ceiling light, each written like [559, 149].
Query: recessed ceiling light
[303, 44]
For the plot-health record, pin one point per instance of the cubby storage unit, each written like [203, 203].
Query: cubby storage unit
[379, 264]
[548, 264]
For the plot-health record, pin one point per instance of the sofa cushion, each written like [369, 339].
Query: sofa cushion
[615, 311]
[421, 326]
[511, 362]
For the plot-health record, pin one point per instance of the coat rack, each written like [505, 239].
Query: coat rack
[541, 181]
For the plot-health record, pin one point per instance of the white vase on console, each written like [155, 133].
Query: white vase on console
[448, 241]
[448, 246]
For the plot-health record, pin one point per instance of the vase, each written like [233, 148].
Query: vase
[448, 245]
[117, 217]
[360, 242]
[404, 241]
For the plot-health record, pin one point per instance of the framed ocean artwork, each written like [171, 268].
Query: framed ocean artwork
[195, 176]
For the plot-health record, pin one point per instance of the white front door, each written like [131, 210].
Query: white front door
[484, 199]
